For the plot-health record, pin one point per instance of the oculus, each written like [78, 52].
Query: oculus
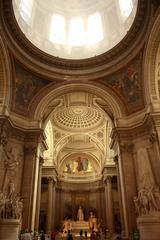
[74, 29]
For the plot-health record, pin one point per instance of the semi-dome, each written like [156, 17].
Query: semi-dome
[78, 118]
[74, 29]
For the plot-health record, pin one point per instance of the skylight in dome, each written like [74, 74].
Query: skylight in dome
[95, 30]
[26, 9]
[81, 32]
[57, 33]
[126, 7]
[76, 32]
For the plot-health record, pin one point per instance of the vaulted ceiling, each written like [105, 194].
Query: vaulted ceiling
[78, 127]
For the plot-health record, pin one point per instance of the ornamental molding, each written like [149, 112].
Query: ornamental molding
[35, 58]
[146, 129]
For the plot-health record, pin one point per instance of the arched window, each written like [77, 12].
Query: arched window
[57, 33]
[126, 7]
[26, 9]
[76, 35]
[95, 30]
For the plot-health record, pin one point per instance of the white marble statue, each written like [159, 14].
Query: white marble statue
[80, 214]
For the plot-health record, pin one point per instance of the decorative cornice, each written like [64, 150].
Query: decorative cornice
[126, 135]
[25, 51]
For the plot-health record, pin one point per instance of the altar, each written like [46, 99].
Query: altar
[80, 224]
[76, 226]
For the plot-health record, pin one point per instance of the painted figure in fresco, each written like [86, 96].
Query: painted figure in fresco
[68, 166]
[80, 214]
[80, 165]
[85, 164]
[130, 84]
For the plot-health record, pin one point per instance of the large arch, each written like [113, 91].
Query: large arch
[5, 78]
[152, 65]
[113, 103]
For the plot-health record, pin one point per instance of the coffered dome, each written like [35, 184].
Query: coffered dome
[78, 118]
[74, 29]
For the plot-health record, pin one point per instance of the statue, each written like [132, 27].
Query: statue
[80, 214]
[148, 200]
[11, 189]
[92, 222]
[11, 204]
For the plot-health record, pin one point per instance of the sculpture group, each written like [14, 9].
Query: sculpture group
[11, 204]
[147, 201]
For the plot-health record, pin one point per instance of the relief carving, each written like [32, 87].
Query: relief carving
[148, 199]
[12, 157]
[3, 135]
[11, 204]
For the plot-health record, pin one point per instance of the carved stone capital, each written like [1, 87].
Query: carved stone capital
[51, 180]
[41, 161]
[29, 150]
[153, 137]
[116, 159]
[107, 179]
[126, 147]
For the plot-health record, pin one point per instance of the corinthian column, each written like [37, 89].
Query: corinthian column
[120, 196]
[109, 203]
[28, 186]
[38, 194]
[50, 205]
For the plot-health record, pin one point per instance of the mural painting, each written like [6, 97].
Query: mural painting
[26, 86]
[127, 83]
[78, 165]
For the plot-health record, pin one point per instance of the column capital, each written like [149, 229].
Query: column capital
[41, 160]
[51, 180]
[30, 150]
[116, 160]
[107, 179]
[126, 147]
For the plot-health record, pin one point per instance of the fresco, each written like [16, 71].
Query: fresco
[26, 86]
[127, 83]
[78, 165]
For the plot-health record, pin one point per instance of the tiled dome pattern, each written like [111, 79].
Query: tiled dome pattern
[78, 118]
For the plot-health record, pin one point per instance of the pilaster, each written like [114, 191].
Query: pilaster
[109, 203]
[41, 161]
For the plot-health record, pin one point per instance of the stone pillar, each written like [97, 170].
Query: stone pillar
[38, 202]
[109, 203]
[123, 146]
[54, 205]
[49, 205]
[120, 197]
[128, 186]
[28, 185]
